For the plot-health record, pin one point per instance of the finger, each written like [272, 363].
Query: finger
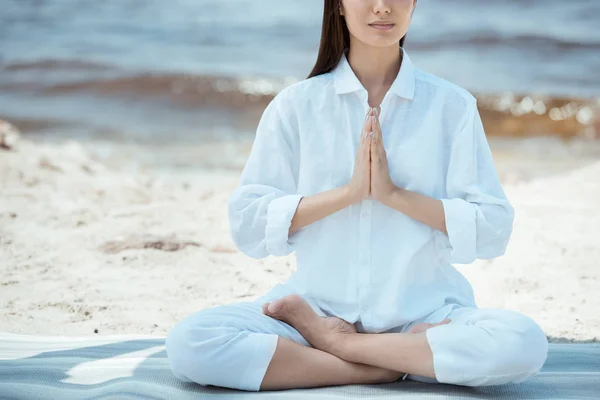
[374, 150]
[367, 123]
[368, 151]
[378, 138]
[365, 140]
[363, 133]
[377, 127]
[372, 121]
[367, 126]
[373, 136]
[374, 144]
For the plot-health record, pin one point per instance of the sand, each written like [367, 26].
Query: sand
[90, 249]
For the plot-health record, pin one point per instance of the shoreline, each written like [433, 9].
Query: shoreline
[208, 107]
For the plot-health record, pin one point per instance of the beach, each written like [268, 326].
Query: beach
[132, 123]
[91, 248]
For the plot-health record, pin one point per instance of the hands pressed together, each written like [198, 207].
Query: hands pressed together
[371, 175]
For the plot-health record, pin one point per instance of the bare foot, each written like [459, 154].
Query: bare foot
[423, 326]
[320, 332]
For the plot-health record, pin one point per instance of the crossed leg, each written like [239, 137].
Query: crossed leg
[287, 344]
[401, 352]
[296, 366]
[237, 346]
[480, 347]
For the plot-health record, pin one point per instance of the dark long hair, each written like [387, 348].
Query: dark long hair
[335, 39]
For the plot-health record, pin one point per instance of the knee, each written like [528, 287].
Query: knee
[187, 346]
[196, 350]
[535, 345]
[523, 350]
[177, 346]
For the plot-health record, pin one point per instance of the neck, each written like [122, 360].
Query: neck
[375, 67]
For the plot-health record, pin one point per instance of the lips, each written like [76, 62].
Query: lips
[382, 27]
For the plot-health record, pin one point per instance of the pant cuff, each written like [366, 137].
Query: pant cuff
[443, 363]
[265, 345]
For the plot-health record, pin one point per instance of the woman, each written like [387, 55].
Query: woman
[379, 176]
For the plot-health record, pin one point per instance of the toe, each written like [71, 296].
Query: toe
[275, 306]
[291, 309]
[265, 309]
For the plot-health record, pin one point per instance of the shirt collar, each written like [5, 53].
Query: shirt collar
[345, 79]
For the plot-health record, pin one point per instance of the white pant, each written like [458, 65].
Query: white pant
[232, 345]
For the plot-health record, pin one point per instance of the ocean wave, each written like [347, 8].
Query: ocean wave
[472, 39]
[505, 114]
[193, 90]
[52, 65]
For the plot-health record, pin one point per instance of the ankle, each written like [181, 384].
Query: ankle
[336, 344]
[390, 376]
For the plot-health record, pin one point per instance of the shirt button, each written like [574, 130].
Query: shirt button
[364, 214]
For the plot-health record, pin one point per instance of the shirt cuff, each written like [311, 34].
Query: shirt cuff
[461, 240]
[280, 212]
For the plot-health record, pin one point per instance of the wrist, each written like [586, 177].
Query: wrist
[398, 191]
[397, 195]
[348, 195]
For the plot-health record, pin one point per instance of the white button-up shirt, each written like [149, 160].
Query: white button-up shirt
[369, 263]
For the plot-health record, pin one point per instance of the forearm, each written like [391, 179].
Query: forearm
[419, 207]
[313, 208]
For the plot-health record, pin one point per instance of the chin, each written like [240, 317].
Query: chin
[382, 42]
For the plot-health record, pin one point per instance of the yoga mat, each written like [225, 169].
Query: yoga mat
[136, 367]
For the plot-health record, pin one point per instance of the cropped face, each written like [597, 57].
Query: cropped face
[378, 22]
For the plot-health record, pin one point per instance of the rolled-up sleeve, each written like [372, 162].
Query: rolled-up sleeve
[262, 206]
[479, 218]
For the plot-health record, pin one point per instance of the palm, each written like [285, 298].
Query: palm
[381, 184]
